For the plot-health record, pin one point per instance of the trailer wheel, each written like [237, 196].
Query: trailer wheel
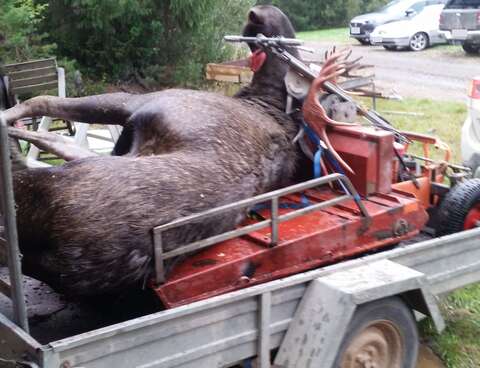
[382, 334]
[460, 209]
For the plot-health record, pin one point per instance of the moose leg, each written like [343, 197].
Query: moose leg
[113, 108]
[53, 143]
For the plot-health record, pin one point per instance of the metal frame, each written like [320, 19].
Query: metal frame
[330, 302]
[15, 290]
[160, 255]
[226, 329]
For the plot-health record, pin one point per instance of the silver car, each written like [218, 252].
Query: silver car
[362, 25]
[470, 143]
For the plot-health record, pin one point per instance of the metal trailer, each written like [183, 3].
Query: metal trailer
[305, 316]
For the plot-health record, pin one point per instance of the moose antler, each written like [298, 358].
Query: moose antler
[313, 112]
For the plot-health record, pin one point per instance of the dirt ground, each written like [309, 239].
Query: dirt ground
[439, 73]
[427, 359]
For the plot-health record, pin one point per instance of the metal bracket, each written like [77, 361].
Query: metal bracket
[322, 317]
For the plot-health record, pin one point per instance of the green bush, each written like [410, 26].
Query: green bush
[121, 39]
[19, 36]
[159, 41]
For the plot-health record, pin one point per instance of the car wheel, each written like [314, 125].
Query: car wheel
[419, 41]
[390, 48]
[364, 41]
[471, 49]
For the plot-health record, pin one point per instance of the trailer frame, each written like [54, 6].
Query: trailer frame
[245, 324]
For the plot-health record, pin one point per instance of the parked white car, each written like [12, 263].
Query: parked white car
[416, 32]
[470, 141]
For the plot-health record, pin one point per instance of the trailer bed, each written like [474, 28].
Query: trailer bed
[223, 330]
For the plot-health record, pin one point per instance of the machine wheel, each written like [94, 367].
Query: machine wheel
[471, 49]
[364, 41]
[419, 41]
[389, 48]
[382, 334]
[460, 209]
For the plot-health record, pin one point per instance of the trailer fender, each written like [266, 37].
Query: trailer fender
[322, 318]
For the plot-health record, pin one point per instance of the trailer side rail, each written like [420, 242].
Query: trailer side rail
[226, 329]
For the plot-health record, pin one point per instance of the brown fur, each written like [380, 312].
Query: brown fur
[85, 227]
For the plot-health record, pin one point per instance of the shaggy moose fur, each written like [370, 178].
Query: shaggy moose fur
[85, 227]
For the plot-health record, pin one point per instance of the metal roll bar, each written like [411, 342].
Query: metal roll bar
[160, 256]
[15, 290]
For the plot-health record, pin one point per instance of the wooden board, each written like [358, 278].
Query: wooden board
[32, 76]
[36, 88]
[30, 73]
[28, 65]
[228, 73]
[15, 84]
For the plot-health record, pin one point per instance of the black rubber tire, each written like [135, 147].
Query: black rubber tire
[471, 49]
[393, 310]
[456, 205]
[363, 41]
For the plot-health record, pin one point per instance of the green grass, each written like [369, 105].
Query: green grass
[438, 118]
[335, 35]
[459, 345]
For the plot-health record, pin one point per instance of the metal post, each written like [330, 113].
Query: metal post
[265, 310]
[274, 224]
[13, 253]
[158, 257]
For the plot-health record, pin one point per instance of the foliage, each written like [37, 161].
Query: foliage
[315, 14]
[19, 39]
[167, 40]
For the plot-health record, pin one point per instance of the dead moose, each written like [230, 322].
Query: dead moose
[85, 226]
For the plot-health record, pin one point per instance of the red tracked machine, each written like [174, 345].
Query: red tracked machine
[307, 225]
[378, 203]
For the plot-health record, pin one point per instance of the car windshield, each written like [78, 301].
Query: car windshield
[396, 7]
[463, 4]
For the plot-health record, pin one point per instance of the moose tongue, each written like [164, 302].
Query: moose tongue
[257, 59]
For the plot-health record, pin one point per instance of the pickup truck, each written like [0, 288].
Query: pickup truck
[460, 24]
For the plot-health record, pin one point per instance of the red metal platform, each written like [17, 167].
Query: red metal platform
[306, 242]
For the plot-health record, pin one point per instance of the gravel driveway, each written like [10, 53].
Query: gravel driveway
[440, 73]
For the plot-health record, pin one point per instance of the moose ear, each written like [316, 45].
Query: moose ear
[255, 17]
